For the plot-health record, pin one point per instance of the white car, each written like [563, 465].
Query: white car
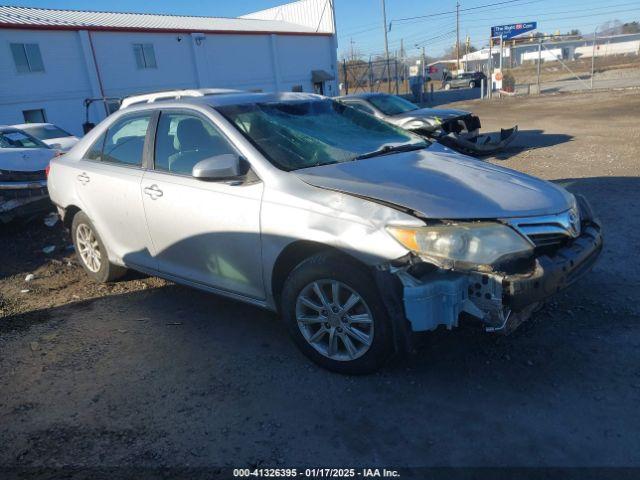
[23, 183]
[174, 95]
[50, 134]
[357, 232]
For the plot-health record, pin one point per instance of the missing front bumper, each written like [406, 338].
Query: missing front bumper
[500, 301]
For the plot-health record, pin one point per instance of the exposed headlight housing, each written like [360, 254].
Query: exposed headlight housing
[464, 244]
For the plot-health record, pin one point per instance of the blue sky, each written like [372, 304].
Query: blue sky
[360, 21]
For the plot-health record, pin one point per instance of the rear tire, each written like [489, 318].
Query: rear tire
[447, 86]
[472, 84]
[91, 252]
[347, 330]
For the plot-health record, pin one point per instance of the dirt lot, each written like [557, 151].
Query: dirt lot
[144, 373]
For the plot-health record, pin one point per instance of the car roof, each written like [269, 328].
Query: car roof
[174, 94]
[243, 98]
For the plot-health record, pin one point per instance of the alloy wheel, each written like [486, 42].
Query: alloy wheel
[334, 319]
[88, 247]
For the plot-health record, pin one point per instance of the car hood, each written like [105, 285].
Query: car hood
[441, 113]
[437, 183]
[25, 159]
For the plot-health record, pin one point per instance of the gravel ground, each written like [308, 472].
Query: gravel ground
[144, 373]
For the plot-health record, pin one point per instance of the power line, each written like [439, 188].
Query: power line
[460, 10]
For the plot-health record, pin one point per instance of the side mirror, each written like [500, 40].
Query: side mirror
[219, 167]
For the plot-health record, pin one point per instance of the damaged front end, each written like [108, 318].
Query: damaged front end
[22, 194]
[462, 134]
[501, 296]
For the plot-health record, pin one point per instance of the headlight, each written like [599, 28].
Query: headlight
[482, 243]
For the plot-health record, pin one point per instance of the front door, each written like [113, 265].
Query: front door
[108, 183]
[202, 231]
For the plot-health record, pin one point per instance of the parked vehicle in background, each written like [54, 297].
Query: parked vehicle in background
[464, 80]
[23, 183]
[174, 95]
[54, 136]
[356, 231]
[456, 129]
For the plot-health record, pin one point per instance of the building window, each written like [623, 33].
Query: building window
[145, 56]
[27, 57]
[34, 116]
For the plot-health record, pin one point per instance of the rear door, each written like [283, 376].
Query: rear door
[207, 232]
[108, 183]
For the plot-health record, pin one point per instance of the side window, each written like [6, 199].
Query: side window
[183, 140]
[124, 141]
[95, 151]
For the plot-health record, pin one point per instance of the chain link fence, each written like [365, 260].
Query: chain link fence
[570, 63]
[556, 64]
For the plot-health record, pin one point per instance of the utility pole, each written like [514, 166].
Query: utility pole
[466, 56]
[352, 54]
[458, 35]
[423, 72]
[593, 55]
[402, 62]
[386, 44]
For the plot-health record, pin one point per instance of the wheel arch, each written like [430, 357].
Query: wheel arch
[292, 255]
[69, 212]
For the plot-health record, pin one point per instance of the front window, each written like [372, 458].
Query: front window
[183, 140]
[392, 105]
[301, 134]
[18, 139]
[47, 132]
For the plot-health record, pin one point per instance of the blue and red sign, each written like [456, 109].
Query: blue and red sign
[513, 30]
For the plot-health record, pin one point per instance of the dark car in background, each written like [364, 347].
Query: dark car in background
[464, 80]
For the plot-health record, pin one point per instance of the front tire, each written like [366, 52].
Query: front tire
[472, 84]
[91, 251]
[447, 86]
[335, 315]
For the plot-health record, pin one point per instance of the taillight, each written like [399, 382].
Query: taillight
[47, 170]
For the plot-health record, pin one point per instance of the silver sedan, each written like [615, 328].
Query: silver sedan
[357, 232]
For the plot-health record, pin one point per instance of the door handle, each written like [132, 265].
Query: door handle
[83, 178]
[153, 191]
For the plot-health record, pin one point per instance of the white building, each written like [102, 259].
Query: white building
[52, 60]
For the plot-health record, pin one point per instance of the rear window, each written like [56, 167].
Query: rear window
[47, 132]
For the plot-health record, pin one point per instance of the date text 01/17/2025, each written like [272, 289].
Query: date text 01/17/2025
[316, 473]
